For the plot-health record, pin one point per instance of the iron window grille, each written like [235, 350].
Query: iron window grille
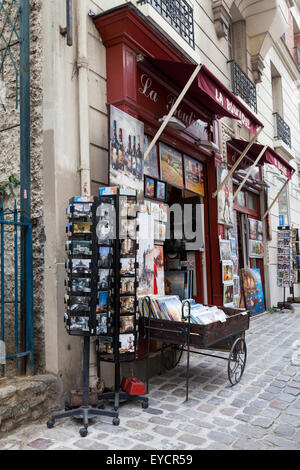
[179, 14]
[242, 85]
[282, 130]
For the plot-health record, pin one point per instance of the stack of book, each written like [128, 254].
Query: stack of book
[170, 308]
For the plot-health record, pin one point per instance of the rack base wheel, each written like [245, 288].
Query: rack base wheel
[50, 424]
[83, 432]
[145, 405]
[237, 361]
[116, 422]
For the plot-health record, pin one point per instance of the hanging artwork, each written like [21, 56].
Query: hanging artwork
[225, 198]
[225, 250]
[194, 175]
[159, 273]
[253, 291]
[126, 166]
[227, 272]
[145, 255]
[171, 165]
[256, 246]
[151, 161]
[228, 296]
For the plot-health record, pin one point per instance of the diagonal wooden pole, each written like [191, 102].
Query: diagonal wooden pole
[278, 195]
[174, 108]
[252, 141]
[249, 172]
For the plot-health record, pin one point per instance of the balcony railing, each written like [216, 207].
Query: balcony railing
[179, 14]
[282, 130]
[242, 85]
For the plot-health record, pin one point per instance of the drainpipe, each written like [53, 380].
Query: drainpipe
[83, 70]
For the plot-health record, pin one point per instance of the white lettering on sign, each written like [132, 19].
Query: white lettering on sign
[146, 90]
[232, 108]
[219, 97]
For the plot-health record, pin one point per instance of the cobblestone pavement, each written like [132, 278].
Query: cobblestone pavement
[262, 412]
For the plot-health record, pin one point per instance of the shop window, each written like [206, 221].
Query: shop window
[283, 207]
[251, 202]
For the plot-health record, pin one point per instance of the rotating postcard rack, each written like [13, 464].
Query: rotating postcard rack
[82, 298]
[117, 290]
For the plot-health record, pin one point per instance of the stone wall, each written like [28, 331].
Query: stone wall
[10, 163]
[25, 400]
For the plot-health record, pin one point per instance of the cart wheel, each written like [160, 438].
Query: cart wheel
[116, 422]
[237, 361]
[83, 432]
[50, 424]
[171, 355]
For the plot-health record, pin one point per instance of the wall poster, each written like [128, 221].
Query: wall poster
[225, 199]
[253, 291]
[194, 175]
[126, 150]
[171, 166]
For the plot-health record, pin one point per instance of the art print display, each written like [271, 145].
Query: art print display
[285, 262]
[255, 230]
[105, 254]
[127, 304]
[104, 279]
[127, 247]
[225, 250]
[194, 175]
[81, 266]
[79, 210]
[128, 208]
[105, 345]
[160, 231]
[127, 286]
[79, 323]
[236, 301]
[127, 324]
[227, 272]
[151, 161]
[159, 272]
[171, 166]
[256, 249]
[128, 228]
[161, 191]
[126, 151]
[103, 302]
[127, 267]
[145, 255]
[80, 284]
[80, 247]
[163, 213]
[127, 344]
[155, 210]
[102, 324]
[149, 187]
[236, 285]
[253, 291]
[228, 295]
[81, 228]
[225, 198]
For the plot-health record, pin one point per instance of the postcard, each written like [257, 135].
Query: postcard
[127, 324]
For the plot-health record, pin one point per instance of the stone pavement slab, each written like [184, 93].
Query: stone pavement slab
[262, 412]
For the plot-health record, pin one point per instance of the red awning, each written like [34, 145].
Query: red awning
[270, 156]
[208, 91]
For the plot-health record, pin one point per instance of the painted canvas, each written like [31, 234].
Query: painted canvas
[145, 255]
[228, 295]
[126, 149]
[194, 175]
[151, 162]
[225, 199]
[253, 291]
[227, 272]
[171, 165]
[159, 273]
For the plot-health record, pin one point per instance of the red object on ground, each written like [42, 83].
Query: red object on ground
[133, 386]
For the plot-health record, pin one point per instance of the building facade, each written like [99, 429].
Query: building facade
[251, 48]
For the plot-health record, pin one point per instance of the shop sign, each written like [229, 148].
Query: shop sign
[159, 100]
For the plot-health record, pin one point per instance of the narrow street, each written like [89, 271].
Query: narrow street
[262, 412]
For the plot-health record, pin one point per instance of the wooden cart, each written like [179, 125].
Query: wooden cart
[186, 336]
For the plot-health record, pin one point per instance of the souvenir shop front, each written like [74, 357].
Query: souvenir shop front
[248, 226]
[145, 77]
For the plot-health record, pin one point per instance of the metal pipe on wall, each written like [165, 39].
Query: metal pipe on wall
[83, 92]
